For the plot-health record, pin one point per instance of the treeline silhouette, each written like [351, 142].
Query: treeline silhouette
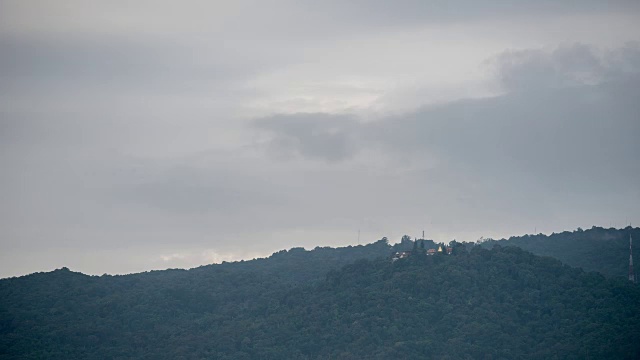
[595, 249]
[347, 303]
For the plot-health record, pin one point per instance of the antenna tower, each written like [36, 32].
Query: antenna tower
[632, 275]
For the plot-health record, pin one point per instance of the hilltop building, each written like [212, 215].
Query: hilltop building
[400, 255]
[421, 250]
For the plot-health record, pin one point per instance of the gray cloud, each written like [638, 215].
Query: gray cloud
[218, 188]
[564, 107]
[566, 66]
[568, 131]
[309, 18]
[107, 64]
[572, 65]
[127, 140]
[318, 136]
[560, 140]
[408, 11]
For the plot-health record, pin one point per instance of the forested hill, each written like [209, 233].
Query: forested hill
[503, 303]
[299, 265]
[596, 249]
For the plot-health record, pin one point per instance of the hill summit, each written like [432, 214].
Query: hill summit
[502, 303]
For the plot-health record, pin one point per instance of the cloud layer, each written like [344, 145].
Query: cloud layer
[133, 139]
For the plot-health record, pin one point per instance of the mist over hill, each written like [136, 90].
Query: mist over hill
[344, 303]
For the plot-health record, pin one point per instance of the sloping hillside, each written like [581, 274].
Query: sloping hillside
[596, 249]
[503, 303]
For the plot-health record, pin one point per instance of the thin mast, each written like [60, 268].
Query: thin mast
[632, 275]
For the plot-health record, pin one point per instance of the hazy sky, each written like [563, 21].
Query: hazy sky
[149, 134]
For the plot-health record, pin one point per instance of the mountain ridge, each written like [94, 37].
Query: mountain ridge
[499, 303]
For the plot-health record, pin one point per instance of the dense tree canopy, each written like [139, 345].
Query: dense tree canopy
[596, 249]
[503, 303]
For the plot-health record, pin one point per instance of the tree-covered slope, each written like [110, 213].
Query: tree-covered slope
[299, 265]
[502, 303]
[596, 249]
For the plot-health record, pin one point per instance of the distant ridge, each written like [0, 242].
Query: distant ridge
[596, 249]
[502, 303]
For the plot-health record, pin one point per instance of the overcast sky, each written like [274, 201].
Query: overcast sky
[149, 134]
